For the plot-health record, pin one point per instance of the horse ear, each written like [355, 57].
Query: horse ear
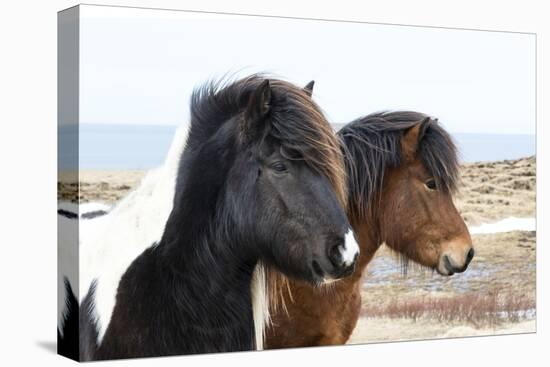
[412, 137]
[309, 88]
[259, 105]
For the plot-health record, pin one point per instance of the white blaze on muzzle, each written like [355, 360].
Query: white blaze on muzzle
[351, 249]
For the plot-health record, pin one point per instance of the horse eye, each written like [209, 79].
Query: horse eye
[279, 167]
[430, 184]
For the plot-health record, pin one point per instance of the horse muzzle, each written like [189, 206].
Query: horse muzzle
[449, 265]
[342, 257]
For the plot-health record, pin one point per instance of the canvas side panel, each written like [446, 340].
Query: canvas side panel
[68, 181]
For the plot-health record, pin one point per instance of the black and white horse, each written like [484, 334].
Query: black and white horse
[260, 178]
[137, 221]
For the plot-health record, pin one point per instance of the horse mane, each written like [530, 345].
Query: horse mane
[304, 129]
[373, 143]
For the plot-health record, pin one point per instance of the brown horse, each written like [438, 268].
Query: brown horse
[402, 171]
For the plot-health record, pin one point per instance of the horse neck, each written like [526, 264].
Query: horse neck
[368, 227]
[190, 229]
[212, 284]
[189, 245]
[368, 234]
[193, 244]
[206, 303]
[207, 271]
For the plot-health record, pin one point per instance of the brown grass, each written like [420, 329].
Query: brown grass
[494, 190]
[478, 309]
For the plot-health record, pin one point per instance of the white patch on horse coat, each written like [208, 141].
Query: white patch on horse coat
[351, 249]
[109, 244]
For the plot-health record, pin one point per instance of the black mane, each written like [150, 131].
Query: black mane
[300, 130]
[375, 142]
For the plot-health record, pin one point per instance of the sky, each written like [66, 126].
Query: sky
[139, 66]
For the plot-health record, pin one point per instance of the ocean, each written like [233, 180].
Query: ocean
[104, 146]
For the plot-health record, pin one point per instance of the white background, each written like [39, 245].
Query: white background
[28, 183]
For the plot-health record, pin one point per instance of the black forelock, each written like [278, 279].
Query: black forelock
[297, 123]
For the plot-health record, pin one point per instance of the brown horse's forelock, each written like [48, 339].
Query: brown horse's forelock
[372, 144]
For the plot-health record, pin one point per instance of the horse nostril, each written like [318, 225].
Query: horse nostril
[450, 268]
[470, 256]
[335, 255]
